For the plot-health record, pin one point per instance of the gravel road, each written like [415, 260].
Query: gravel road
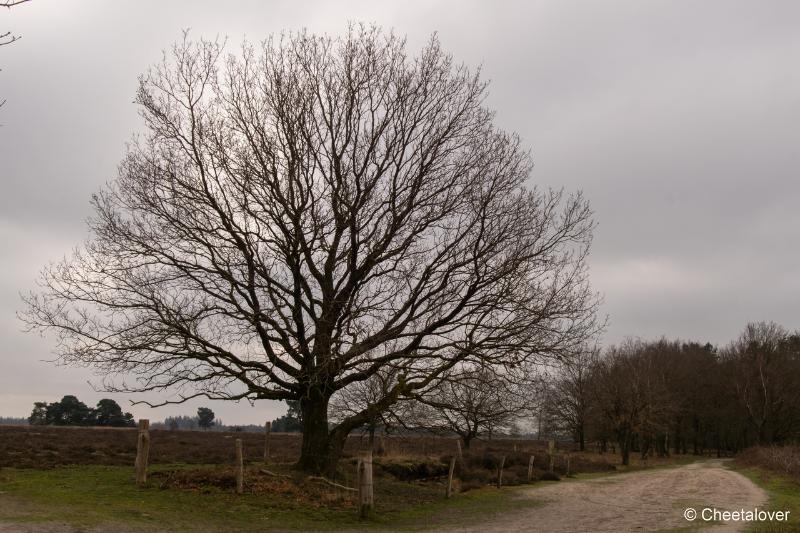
[649, 500]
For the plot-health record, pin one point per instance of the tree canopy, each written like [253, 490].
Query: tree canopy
[205, 417]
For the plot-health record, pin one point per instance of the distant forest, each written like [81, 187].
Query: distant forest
[682, 397]
[70, 411]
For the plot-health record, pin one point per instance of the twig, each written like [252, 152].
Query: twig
[331, 483]
[267, 472]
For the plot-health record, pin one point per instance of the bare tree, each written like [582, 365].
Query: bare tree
[363, 396]
[764, 363]
[570, 398]
[468, 402]
[629, 389]
[306, 214]
[8, 37]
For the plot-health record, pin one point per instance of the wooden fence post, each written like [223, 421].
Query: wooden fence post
[142, 451]
[500, 472]
[450, 477]
[530, 469]
[365, 494]
[239, 467]
[359, 487]
[267, 432]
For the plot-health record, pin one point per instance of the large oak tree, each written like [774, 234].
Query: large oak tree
[305, 213]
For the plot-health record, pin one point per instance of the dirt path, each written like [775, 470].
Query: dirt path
[650, 500]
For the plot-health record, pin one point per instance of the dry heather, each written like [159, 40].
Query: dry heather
[780, 459]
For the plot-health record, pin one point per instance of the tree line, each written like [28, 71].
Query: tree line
[206, 419]
[72, 412]
[649, 397]
[667, 396]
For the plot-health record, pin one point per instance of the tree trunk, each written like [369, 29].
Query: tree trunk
[581, 440]
[625, 441]
[321, 448]
[625, 449]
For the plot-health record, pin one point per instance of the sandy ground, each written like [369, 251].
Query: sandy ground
[649, 500]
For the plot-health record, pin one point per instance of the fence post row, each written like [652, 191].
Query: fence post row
[142, 451]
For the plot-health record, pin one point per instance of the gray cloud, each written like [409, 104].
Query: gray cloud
[679, 120]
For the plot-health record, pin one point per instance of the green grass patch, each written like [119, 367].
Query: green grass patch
[87, 496]
[784, 495]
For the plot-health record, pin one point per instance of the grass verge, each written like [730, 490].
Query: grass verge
[784, 495]
[88, 496]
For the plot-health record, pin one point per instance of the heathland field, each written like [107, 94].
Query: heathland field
[84, 477]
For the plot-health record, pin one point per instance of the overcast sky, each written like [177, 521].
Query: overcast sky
[680, 120]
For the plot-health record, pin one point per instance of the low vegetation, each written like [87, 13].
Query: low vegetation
[777, 470]
[782, 460]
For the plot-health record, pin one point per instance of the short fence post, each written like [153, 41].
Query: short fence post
[359, 487]
[142, 451]
[366, 498]
[450, 477]
[239, 467]
[530, 469]
[267, 432]
[500, 472]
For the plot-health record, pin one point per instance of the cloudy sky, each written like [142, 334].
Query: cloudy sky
[680, 121]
